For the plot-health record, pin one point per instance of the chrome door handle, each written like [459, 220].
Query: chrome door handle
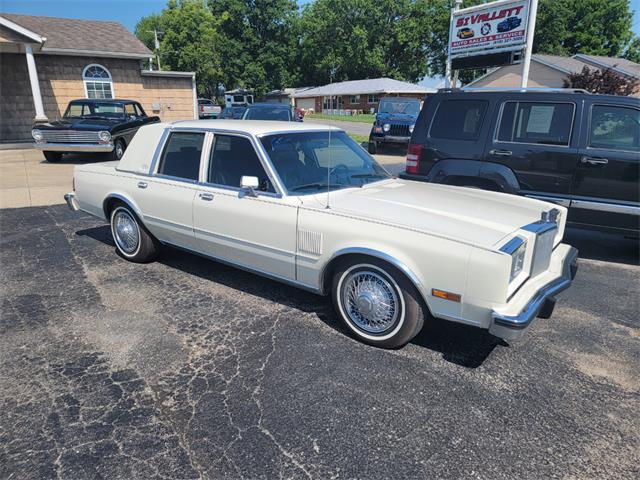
[594, 161]
[500, 153]
[142, 185]
[206, 196]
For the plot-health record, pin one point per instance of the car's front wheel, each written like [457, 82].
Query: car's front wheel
[132, 239]
[377, 302]
[373, 147]
[118, 150]
[52, 157]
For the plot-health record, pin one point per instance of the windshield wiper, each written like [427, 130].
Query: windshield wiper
[368, 175]
[309, 185]
[317, 185]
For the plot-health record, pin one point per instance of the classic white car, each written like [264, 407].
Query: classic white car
[304, 204]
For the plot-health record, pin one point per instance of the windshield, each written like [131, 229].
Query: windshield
[395, 106]
[266, 113]
[87, 110]
[307, 163]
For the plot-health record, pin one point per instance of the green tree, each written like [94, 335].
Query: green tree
[189, 41]
[596, 27]
[257, 43]
[352, 39]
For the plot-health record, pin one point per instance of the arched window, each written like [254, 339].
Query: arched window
[97, 81]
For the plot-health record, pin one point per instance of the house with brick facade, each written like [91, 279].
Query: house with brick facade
[45, 62]
[357, 95]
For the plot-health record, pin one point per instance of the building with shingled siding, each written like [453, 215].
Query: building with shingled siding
[45, 62]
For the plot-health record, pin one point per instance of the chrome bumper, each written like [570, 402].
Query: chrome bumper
[70, 198]
[74, 147]
[512, 327]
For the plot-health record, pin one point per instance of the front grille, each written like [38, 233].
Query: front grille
[399, 130]
[542, 251]
[70, 136]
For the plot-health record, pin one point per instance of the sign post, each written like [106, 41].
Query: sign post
[533, 13]
[451, 79]
[490, 35]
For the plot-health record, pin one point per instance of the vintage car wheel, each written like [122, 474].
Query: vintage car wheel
[52, 157]
[132, 240]
[118, 150]
[377, 302]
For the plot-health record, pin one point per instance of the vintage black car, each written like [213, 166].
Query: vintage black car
[93, 126]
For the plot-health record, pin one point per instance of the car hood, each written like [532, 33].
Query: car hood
[92, 124]
[476, 217]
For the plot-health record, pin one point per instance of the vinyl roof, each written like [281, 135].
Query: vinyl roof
[81, 35]
[254, 127]
[372, 85]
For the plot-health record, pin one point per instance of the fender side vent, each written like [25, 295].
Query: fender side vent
[310, 242]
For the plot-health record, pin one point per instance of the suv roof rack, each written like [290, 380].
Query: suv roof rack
[513, 89]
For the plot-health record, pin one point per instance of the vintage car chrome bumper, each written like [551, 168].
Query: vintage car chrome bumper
[70, 198]
[511, 326]
[74, 147]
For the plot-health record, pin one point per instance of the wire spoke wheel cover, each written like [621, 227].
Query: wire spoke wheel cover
[125, 231]
[370, 301]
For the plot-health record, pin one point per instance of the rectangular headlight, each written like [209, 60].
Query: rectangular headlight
[517, 248]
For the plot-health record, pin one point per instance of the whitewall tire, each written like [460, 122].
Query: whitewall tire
[132, 240]
[376, 302]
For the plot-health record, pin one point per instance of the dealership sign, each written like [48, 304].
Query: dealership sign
[489, 28]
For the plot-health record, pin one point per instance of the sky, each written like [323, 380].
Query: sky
[127, 12]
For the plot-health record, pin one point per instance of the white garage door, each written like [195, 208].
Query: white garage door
[306, 103]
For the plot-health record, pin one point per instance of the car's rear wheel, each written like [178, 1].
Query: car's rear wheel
[377, 302]
[52, 157]
[132, 239]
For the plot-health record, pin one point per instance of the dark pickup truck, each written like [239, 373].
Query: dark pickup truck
[92, 126]
[569, 147]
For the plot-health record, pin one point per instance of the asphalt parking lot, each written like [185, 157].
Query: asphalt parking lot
[185, 368]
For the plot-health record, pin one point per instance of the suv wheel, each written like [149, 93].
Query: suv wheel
[373, 147]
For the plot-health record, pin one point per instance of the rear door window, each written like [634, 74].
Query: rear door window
[536, 123]
[614, 127]
[181, 156]
[458, 119]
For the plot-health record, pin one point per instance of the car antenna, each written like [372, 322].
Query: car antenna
[329, 172]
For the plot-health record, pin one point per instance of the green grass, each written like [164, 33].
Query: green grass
[359, 138]
[364, 118]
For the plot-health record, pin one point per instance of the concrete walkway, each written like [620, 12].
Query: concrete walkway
[27, 180]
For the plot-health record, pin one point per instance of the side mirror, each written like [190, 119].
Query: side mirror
[248, 185]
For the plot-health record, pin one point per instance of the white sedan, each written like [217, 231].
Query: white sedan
[305, 205]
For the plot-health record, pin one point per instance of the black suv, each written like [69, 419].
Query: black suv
[564, 146]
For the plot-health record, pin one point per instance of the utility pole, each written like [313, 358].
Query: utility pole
[533, 13]
[156, 45]
[451, 76]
